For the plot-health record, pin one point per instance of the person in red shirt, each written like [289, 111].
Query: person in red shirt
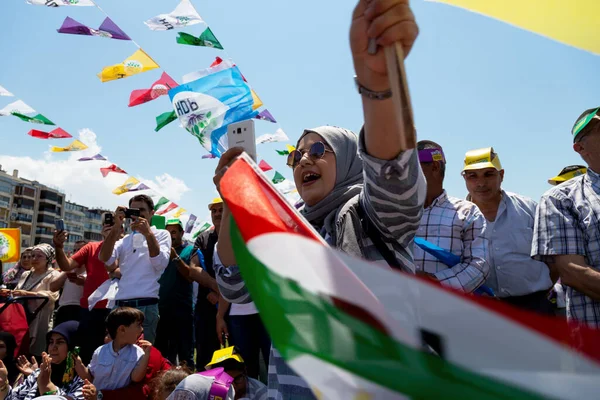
[92, 326]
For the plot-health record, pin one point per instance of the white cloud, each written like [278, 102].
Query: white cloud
[82, 182]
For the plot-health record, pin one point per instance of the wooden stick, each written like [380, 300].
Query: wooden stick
[394, 56]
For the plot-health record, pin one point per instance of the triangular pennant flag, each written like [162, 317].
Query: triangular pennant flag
[108, 29]
[60, 3]
[5, 93]
[75, 146]
[183, 15]
[17, 107]
[278, 136]
[164, 119]
[96, 157]
[159, 88]
[179, 212]
[112, 168]
[208, 156]
[168, 208]
[37, 119]
[190, 223]
[206, 226]
[349, 329]
[137, 63]
[568, 22]
[57, 133]
[287, 151]
[278, 178]
[126, 186]
[207, 39]
[264, 166]
[265, 115]
[139, 187]
[161, 202]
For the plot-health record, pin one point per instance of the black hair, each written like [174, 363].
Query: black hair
[122, 316]
[145, 198]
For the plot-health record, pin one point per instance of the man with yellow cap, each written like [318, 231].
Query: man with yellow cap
[206, 310]
[514, 276]
[567, 173]
[567, 226]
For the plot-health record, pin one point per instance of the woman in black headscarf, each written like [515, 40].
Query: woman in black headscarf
[56, 374]
[8, 344]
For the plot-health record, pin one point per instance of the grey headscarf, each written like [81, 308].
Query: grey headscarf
[348, 178]
[48, 252]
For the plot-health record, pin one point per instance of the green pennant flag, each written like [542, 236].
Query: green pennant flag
[161, 202]
[207, 39]
[282, 152]
[278, 178]
[165, 119]
[37, 119]
[203, 228]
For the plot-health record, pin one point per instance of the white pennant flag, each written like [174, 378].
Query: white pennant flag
[278, 136]
[183, 15]
[18, 106]
[59, 3]
[4, 92]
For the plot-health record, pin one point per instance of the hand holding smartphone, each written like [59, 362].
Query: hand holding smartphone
[59, 224]
[242, 134]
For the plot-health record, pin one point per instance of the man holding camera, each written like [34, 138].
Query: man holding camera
[142, 256]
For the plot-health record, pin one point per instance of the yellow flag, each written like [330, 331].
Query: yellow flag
[572, 22]
[179, 212]
[137, 63]
[290, 148]
[124, 188]
[10, 245]
[257, 101]
[75, 146]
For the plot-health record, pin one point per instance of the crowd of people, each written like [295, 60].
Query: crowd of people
[179, 305]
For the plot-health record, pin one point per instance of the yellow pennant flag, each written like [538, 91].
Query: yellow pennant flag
[75, 146]
[179, 212]
[257, 101]
[137, 63]
[572, 22]
[124, 188]
[10, 245]
[290, 148]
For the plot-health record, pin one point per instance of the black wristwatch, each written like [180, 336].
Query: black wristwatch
[371, 94]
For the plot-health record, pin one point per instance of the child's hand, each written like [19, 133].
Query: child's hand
[89, 391]
[145, 345]
[80, 368]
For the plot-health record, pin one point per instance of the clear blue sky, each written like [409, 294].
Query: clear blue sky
[474, 82]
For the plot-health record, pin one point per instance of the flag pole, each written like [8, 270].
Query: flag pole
[394, 56]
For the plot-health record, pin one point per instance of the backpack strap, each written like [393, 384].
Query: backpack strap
[375, 237]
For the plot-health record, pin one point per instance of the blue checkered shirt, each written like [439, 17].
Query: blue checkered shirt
[568, 223]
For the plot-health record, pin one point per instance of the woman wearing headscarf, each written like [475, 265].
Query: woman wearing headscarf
[36, 282]
[8, 345]
[56, 374]
[363, 194]
[12, 276]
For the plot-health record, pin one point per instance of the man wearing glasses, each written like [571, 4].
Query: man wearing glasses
[514, 276]
[567, 226]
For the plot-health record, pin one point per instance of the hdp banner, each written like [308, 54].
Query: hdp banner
[10, 244]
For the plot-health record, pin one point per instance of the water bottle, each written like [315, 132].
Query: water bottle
[138, 240]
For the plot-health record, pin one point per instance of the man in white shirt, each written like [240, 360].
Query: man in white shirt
[143, 255]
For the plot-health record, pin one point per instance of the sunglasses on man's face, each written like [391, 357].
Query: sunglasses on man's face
[316, 151]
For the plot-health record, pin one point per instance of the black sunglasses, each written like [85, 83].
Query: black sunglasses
[317, 150]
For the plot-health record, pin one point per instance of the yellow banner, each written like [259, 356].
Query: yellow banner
[10, 244]
[572, 22]
[137, 63]
[124, 188]
[179, 212]
[75, 146]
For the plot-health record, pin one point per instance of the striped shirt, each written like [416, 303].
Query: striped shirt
[393, 196]
[457, 226]
[567, 222]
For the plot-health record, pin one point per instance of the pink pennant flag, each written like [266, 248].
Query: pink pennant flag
[57, 133]
[112, 168]
[264, 166]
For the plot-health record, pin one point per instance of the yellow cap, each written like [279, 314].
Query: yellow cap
[567, 173]
[216, 200]
[228, 353]
[482, 158]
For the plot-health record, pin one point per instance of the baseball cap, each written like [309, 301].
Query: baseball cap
[583, 121]
[567, 173]
[482, 158]
[174, 221]
[216, 200]
[213, 384]
[228, 353]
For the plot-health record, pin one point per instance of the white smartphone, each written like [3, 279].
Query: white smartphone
[241, 134]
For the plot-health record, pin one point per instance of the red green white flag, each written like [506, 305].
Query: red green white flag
[355, 330]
